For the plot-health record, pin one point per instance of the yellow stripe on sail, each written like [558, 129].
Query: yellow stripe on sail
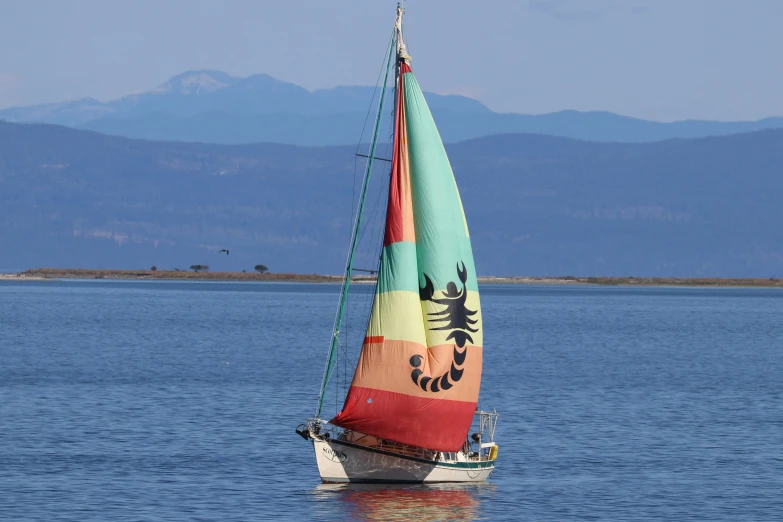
[397, 315]
[402, 316]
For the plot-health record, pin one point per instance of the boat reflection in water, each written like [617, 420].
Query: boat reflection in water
[419, 503]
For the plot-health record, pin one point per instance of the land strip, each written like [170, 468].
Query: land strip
[181, 275]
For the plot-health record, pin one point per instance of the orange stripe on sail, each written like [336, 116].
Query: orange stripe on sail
[386, 365]
[378, 339]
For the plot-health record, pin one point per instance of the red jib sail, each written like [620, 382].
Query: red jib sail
[418, 377]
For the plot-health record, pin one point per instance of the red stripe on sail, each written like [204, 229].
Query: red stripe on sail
[394, 214]
[435, 424]
[404, 68]
[378, 339]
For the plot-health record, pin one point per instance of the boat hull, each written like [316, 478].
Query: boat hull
[341, 462]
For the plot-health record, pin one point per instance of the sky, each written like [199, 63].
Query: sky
[661, 60]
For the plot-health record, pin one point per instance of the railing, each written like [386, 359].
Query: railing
[401, 449]
[483, 452]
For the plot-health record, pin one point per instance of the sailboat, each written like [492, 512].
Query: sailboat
[410, 414]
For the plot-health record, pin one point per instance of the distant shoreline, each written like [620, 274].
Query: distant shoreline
[43, 274]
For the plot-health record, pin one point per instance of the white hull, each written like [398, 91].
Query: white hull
[340, 461]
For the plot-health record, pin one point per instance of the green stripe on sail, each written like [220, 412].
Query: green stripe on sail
[442, 241]
[399, 267]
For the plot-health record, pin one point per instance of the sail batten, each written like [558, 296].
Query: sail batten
[418, 377]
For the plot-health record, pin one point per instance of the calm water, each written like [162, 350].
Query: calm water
[178, 401]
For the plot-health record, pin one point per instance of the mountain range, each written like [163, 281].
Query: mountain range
[535, 205]
[215, 107]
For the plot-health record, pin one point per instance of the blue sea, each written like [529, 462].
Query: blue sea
[178, 401]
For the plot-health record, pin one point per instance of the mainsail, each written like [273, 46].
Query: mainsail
[419, 373]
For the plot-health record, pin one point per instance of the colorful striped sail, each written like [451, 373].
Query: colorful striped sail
[418, 377]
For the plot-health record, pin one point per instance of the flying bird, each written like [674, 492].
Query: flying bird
[224, 250]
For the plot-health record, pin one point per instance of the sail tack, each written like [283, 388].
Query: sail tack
[418, 377]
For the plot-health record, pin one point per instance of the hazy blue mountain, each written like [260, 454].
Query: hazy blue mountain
[535, 205]
[239, 127]
[358, 99]
[344, 127]
[195, 92]
[71, 113]
[214, 107]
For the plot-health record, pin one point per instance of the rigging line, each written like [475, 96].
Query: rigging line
[369, 110]
[359, 143]
[378, 250]
[384, 183]
[375, 232]
[336, 370]
[342, 347]
[379, 232]
[356, 229]
[372, 213]
[377, 83]
[379, 159]
[382, 191]
[372, 293]
[372, 254]
[385, 187]
[374, 247]
[370, 230]
[370, 251]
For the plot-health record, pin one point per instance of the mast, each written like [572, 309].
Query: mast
[356, 229]
[402, 51]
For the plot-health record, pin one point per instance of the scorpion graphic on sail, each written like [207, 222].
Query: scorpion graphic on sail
[457, 318]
